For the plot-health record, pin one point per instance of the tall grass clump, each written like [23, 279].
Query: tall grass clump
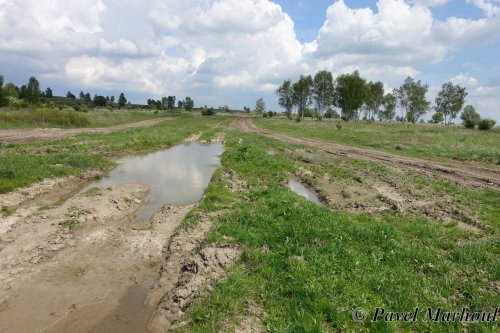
[45, 116]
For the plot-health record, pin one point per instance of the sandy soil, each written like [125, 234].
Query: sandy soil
[39, 134]
[466, 174]
[94, 278]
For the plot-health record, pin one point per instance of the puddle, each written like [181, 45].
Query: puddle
[176, 176]
[301, 190]
[132, 315]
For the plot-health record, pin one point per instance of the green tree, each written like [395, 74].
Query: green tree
[164, 101]
[350, 92]
[70, 95]
[470, 117]
[112, 100]
[437, 118]
[302, 91]
[389, 108]
[188, 104]
[81, 95]
[374, 98]
[88, 99]
[331, 113]
[412, 100]
[450, 101]
[122, 100]
[285, 97]
[260, 106]
[322, 92]
[49, 93]
[171, 102]
[33, 92]
[3, 95]
[100, 100]
[180, 104]
[10, 90]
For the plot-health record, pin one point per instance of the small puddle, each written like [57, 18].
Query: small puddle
[301, 190]
[176, 176]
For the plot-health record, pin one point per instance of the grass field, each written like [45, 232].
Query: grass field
[420, 140]
[68, 118]
[318, 264]
[308, 266]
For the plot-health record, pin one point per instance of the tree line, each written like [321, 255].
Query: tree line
[32, 94]
[168, 103]
[354, 96]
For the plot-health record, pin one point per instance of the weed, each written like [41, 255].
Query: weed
[93, 192]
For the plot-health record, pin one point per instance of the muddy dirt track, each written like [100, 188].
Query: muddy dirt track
[466, 174]
[38, 134]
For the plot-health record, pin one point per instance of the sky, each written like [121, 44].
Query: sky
[231, 52]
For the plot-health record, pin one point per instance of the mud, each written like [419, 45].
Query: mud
[40, 134]
[464, 174]
[190, 270]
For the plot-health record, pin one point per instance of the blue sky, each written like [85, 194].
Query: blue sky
[231, 52]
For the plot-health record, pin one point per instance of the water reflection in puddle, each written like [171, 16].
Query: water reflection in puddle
[176, 176]
[301, 190]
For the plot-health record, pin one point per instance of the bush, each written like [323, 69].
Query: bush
[208, 112]
[486, 124]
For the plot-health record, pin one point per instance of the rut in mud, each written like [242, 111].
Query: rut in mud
[39, 134]
[459, 173]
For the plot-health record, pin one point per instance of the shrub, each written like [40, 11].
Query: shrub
[208, 112]
[486, 124]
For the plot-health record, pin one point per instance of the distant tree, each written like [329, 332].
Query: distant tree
[180, 104]
[246, 109]
[260, 106]
[49, 93]
[112, 100]
[389, 108]
[164, 101]
[437, 118]
[412, 100]
[322, 92]
[350, 92]
[11, 90]
[23, 92]
[302, 91]
[122, 100]
[32, 91]
[331, 113]
[470, 117]
[100, 100]
[70, 95]
[88, 99]
[374, 98]
[3, 96]
[81, 95]
[188, 104]
[285, 97]
[450, 101]
[171, 102]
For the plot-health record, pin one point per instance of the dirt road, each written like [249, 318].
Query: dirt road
[466, 174]
[38, 134]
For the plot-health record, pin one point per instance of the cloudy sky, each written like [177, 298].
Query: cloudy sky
[235, 51]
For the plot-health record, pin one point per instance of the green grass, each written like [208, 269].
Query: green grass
[420, 140]
[68, 118]
[323, 264]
